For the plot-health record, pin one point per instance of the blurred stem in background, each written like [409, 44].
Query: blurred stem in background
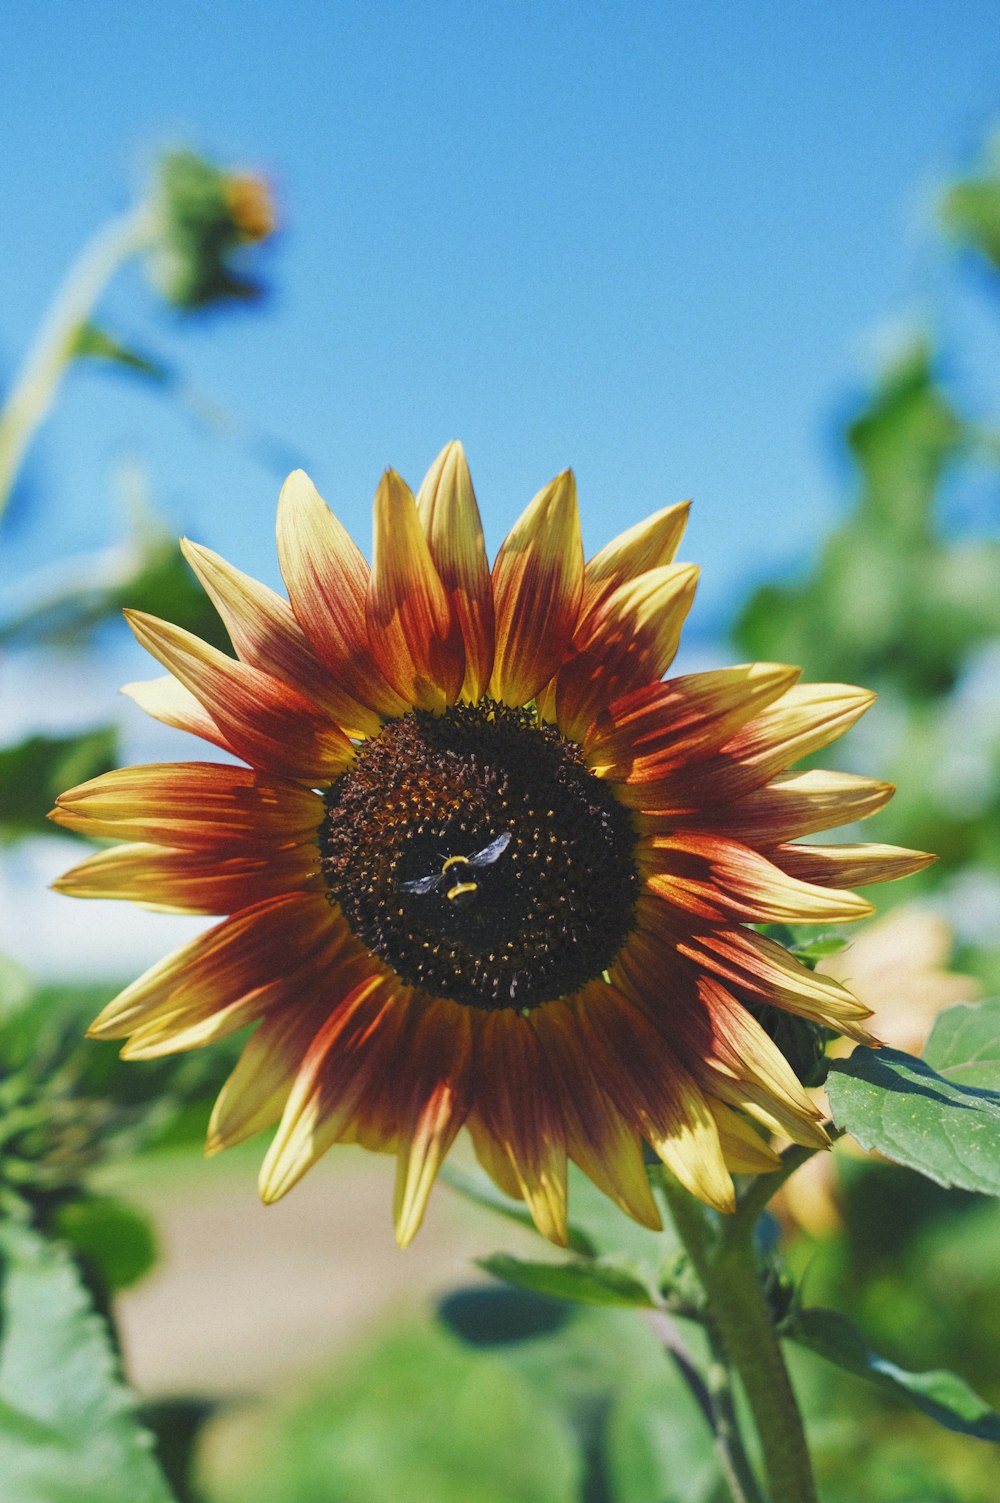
[62, 334]
[191, 230]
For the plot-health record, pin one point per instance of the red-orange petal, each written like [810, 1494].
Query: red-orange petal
[537, 587]
[805, 718]
[646, 734]
[450, 518]
[224, 968]
[194, 805]
[606, 1147]
[266, 723]
[265, 634]
[256, 1093]
[791, 805]
[414, 637]
[715, 878]
[175, 881]
[345, 1062]
[630, 640]
[326, 576]
[655, 1092]
[518, 1104]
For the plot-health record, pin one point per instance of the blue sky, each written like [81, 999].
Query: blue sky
[652, 241]
[661, 242]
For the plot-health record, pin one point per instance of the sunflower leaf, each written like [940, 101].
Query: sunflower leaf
[906, 1111]
[964, 1045]
[943, 1395]
[594, 1283]
[67, 1423]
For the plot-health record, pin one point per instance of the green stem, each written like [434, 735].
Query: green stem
[725, 1264]
[37, 383]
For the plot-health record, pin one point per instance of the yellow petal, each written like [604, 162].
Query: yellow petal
[450, 519]
[647, 545]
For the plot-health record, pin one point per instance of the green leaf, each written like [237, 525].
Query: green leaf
[970, 209]
[35, 770]
[943, 1395]
[93, 342]
[482, 1192]
[910, 1114]
[116, 1238]
[964, 1045]
[595, 1283]
[68, 1432]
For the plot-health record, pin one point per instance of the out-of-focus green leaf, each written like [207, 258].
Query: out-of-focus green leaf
[148, 574]
[417, 1417]
[944, 1396]
[964, 1045]
[68, 1430]
[116, 1238]
[485, 1316]
[899, 1106]
[970, 209]
[35, 770]
[95, 343]
[902, 444]
[593, 1283]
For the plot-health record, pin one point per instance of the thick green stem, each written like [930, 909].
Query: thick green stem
[37, 383]
[725, 1264]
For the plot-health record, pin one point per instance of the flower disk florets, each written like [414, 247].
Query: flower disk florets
[546, 914]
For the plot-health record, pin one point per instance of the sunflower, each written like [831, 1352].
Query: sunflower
[484, 866]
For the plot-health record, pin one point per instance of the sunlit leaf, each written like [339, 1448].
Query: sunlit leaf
[68, 1429]
[964, 1045]
[905, 1110]
[592, 1283]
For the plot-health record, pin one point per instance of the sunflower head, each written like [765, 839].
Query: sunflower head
[481, 864]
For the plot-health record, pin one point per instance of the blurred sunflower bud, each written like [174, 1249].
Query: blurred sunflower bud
[206, 220]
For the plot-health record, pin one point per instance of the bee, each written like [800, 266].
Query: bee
[457, 877]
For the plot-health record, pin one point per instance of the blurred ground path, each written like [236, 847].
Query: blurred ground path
[246, 1296]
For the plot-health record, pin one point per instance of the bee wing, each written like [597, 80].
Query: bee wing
[490, 852]
[422, 885]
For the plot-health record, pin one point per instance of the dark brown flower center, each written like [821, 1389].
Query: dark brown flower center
[477, 856]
